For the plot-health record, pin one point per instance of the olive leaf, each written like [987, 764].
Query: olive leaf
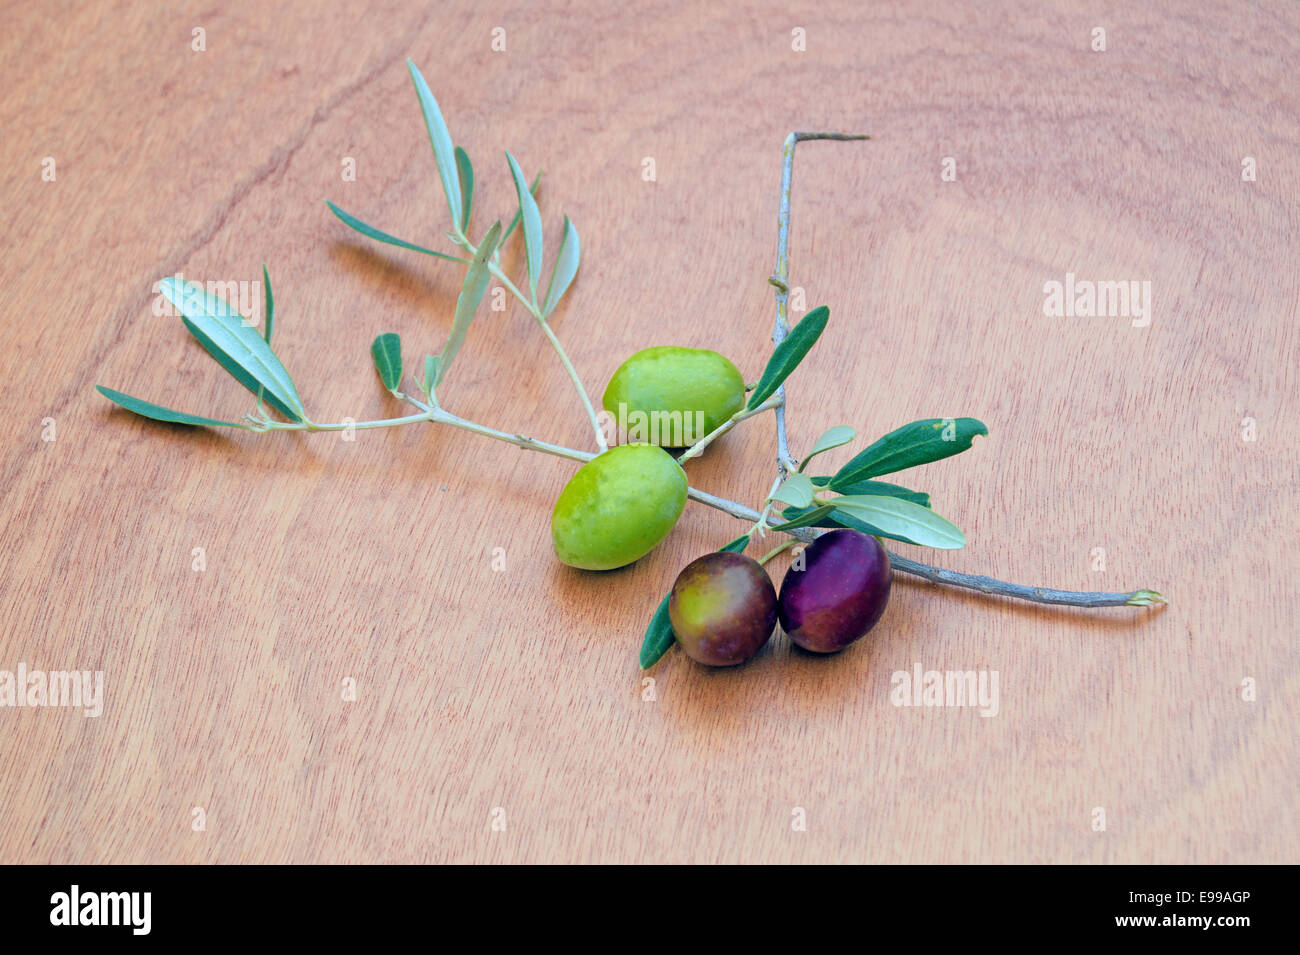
[797, 491]
[827, 516]
[387, 353]
[879, 487]
[430, 374]
[805, 517]
[147, 409]
[444, 153]
[371, 232]
[269, 324]
[736, 546]
[270, 305]
[465, 169]
[787, 355]
[834, 437]
[659, 636]
[532, 222]
[930, 439]
[235, 344]
[532, 190]
[566, 267]
[903, 520]
[471, 293]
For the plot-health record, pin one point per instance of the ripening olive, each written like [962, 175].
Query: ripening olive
[839, 594]
[722, 608]
[673, 396]
[617, 507]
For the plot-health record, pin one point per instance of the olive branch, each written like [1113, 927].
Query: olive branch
[860, 501]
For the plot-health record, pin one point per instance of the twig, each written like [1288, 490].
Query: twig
[987, 585]
[781, 281]
[531, 305]
[785, 463]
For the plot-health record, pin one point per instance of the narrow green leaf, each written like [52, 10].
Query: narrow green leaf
[386, 350]
[430, 374]
[532, 222]
[804, 517]
[466, 171]
[786, 356]
[268, 326]
[832, 438]
[471, 293]
[444, 153]
[930, 439]
[817, 515]
[147, 409]
[537, 181]
[566, 267]
[829, 517]
[879, 487]
[371, 232]
[736, 546]
[241, 375]
[659, 636]
[235, 344]
[796, 491]
[903, 520]
[270, 305]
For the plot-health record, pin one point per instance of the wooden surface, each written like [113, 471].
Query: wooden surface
[519, 689]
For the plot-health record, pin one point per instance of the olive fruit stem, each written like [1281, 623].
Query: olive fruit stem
[778, 549]
[761, 526]
[533, 309]
[698, 447]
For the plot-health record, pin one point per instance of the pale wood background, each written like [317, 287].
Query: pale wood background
[520, 689]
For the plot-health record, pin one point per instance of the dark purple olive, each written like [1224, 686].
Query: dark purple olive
[723, 608]
[839, 594]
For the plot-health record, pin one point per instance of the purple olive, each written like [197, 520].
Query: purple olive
[723, 608]
[839, 594]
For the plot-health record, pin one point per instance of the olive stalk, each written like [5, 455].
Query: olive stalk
[435, 414]
[529, 303]
[780, 280]
[786, 464]
[253, 363]
[938, 575]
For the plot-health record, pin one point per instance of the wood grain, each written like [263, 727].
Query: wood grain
[519, 689]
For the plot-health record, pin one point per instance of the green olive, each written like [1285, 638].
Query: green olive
[617, 507]
[673, 396]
